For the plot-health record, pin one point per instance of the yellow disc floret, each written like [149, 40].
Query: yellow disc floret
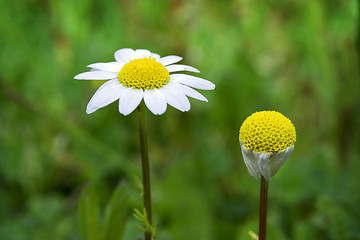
[267, 131]
[144, 73]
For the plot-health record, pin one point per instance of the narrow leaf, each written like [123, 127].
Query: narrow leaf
[88, 213]
[115, 214]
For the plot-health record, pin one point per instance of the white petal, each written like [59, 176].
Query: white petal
[187, 91]
[155, 101]
[169, 60]
[142, 53]
[124, 55]
[180, 67]
[106, 94]
[129, 100]
[96, 75]
[175, 98]
[155, 55]
[271, 163]
[264, 164]
[109, 67]
[251, 162]
[192, 81]
[109, 83]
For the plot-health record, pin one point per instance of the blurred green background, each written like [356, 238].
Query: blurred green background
[300, 58]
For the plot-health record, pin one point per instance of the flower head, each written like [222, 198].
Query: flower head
[267, 139]
[138, 75]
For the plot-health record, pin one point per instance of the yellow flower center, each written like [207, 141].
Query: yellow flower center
[144, 73]
[267, 131]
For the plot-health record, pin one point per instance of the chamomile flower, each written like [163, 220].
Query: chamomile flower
[138, 75]
[267, 139]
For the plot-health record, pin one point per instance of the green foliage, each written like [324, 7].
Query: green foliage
[300, 58]
[148, 227]
[115, 215]
[89, 214]
[138, 184]
[110, 226]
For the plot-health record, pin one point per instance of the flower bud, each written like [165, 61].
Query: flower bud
[267, 139]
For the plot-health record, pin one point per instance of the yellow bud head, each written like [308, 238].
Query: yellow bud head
[267, 131]
[144, 73]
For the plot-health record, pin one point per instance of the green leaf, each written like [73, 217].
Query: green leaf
[148, 227]
[115, 215]
[89, 213]
[253, 235]
[138, 184]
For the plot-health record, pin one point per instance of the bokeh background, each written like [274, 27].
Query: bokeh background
[300, 58]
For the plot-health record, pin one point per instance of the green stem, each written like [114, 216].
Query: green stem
[145, 164]
[263, 208]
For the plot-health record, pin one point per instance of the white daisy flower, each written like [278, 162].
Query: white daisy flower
[267, 139]
[138, 75]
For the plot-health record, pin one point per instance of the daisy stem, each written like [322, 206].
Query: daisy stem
[145, 164]
[263, 208]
